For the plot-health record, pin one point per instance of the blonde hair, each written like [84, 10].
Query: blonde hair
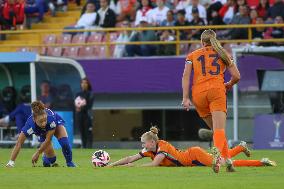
[151, 135]
[37, 108]
[209, 37]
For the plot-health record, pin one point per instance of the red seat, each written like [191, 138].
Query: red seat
[86, 52]
[64, 39]
[96, 37]
[49, 39]
[54, 51]
[113, 36]
[79, 38]
[100, 51]
[71, 52]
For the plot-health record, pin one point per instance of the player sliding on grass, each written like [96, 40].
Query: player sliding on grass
[208, 90]
[164, 154]
[44, 123]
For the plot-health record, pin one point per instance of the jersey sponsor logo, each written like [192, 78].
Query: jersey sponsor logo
[52, 125]
[30, 131]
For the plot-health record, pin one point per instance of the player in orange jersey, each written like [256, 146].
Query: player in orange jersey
[209, 90]
[164, 154]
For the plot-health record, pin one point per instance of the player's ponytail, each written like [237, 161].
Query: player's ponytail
[38, 108]
[209, 37]
[151, 135]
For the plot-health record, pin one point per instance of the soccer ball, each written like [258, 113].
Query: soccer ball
[79, 102]
[100, 158]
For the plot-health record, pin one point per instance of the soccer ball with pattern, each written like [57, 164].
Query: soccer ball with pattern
[100, 158]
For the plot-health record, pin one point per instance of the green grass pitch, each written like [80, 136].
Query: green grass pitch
[85, 176]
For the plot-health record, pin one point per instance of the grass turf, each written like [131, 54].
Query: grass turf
[85, 176]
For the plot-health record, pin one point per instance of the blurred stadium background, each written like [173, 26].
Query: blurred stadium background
[135, 65]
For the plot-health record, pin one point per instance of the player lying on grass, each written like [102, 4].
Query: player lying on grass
[164, 154]
[44, 123]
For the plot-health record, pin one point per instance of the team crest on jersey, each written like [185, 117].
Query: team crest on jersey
[30, 131]
[52, 125]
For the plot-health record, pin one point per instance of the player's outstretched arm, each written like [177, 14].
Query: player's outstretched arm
[43, 146]
[16, 150]
[156, 161]
[126, 160]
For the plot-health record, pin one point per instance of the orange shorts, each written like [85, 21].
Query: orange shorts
[209, 101]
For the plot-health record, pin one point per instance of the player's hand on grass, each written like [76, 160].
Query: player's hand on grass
[35, 158]
[186, 103]
[10, 164]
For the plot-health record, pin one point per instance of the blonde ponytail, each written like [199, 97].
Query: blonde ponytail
[221, 51]
[151, 135]
[209, 37]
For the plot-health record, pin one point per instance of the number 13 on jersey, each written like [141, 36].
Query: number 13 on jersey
[213, 61]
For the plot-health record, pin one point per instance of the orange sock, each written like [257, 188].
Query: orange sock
[247, 163]
[219, 139]
[235, 151]
[200, 156]
[225, 151]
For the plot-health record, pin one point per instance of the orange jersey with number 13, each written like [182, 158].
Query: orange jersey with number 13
[208, 69]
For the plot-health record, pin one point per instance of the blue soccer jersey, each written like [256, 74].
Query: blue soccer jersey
[53, 121]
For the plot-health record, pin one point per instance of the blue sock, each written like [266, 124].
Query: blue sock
[66, 150]
[48, 161]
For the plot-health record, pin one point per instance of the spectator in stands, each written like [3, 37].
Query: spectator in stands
[253, 16]
[147, 35]
[241, 18]
[13, 14]
[216, 19]
[258, 33]
[124, 36]
[170, 21]
[241, 3]
[107, 15]
[36, 6]
[96, 2]
[201, 10]
[181, 4]
[45, 94]
[213, 8]
[228, 11]
[83, 117]
[277, 32]
[197, 21]
[168, 49]
[143, 11]
[159, 14]
[87, 20]
[262, 8]
[127, 9]
[181, 21]
[60, 5]
[276, 10]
